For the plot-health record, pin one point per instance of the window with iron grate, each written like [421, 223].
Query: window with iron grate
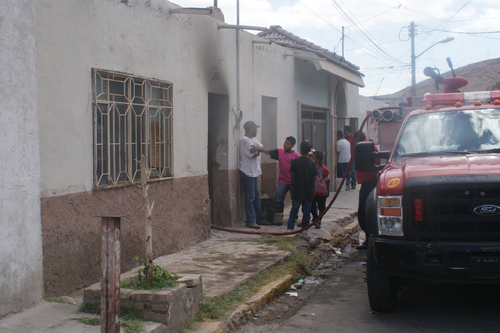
[132, 117]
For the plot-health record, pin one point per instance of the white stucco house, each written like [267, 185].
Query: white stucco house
[99, 84]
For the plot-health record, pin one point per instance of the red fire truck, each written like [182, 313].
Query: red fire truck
[435, 212]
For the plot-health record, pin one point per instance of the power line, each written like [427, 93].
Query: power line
[371, 18]
[363, 34]
[354, 42]
[467, 33]
[477, 45]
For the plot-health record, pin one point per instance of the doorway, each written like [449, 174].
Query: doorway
[313, 123]
[217, 158]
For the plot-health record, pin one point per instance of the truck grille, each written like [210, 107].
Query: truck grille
[468, 193]
[449, 209]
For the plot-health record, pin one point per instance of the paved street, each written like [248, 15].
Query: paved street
[340, 304]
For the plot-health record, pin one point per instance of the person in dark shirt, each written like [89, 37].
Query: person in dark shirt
[304, 173]
[351, 174]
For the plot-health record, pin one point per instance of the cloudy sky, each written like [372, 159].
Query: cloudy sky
[377, 32]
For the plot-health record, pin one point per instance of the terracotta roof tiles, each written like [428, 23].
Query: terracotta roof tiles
[282, 37]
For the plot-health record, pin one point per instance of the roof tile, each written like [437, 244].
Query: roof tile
[282, 37]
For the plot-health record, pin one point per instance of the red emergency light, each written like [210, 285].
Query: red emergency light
[464, 98]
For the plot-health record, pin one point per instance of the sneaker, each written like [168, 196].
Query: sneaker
[318, 225]
[289, 230]
[353, 187]
[347, 188]
[264, 222]
[252, 225]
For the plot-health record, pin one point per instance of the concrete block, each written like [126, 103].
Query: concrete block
[150, 315]
[92, 295]
[140, 306]
[170, 306]
[190, 281]
[160, 308]
[161, 296]
[128, 303]
[125, 293]
[141, 296]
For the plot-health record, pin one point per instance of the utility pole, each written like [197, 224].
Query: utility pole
[413, 78]
[342, 44]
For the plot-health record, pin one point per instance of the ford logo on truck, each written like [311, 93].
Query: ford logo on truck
[487, 210]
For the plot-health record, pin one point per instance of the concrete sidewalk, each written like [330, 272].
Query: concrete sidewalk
[223, 263]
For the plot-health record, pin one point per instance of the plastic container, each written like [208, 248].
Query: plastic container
[277, 208]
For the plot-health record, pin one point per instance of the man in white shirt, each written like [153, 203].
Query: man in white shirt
[343, 155]
[249, 171]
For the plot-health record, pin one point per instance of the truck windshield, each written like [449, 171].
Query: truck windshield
[450, 132]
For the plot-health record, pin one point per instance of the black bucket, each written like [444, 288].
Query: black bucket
[265, 205]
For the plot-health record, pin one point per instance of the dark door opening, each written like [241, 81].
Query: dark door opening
[217, 162]
[314, 129]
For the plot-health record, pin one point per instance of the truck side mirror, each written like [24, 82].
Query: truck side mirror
[367, 159]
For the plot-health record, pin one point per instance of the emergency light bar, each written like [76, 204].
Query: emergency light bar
[468, 97]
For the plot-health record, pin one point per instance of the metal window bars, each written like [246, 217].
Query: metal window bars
[132, 117]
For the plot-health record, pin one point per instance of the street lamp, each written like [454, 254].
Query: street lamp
[414, 57]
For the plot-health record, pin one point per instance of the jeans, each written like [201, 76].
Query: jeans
[351, 176]
[281, 190]
[341, 168]
[252, 198]
[318, 205]
[314, 210]
[306, 213]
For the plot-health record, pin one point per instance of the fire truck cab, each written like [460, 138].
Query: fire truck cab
[435, 212]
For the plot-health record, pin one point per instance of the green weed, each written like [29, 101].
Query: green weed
[131, 313]
[88, 308]
[133, 326]
[93, 321]
[161, 278]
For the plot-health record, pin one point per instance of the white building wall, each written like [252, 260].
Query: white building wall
[353, 109]
[21, 276]
[141, 38]
[273, 76]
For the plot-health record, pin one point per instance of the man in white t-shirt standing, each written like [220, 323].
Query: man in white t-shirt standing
[249, 171]
[343, 155]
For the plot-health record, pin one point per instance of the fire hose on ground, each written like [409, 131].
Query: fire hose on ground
[319, 217]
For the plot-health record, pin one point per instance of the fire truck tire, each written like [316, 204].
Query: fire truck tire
[382, 289]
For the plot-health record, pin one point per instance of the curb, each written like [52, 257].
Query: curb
[343, 234]
[270, 291]
[247, 310]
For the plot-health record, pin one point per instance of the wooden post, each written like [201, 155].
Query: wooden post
[110, 274]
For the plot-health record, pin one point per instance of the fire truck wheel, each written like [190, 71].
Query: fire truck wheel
[382, 289]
